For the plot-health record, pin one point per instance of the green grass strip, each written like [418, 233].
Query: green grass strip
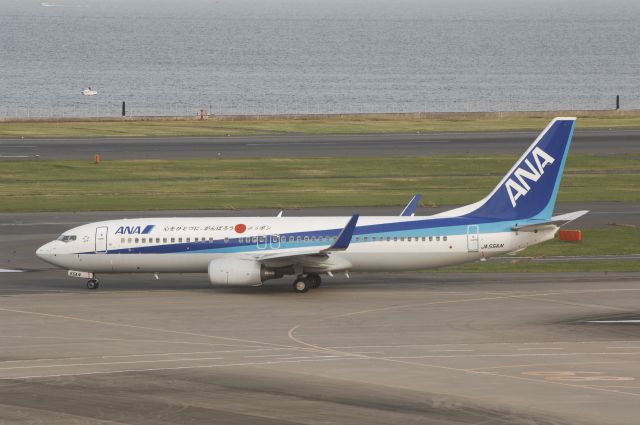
[43, 185]
[309, 125]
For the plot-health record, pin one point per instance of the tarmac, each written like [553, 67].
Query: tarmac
[406, 348]
[409, 348]
[614, 141]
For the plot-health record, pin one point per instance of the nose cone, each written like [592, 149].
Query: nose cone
[46, 252]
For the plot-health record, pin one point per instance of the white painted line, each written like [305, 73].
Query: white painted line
[15, 156]
[152, 354]
[541, 348]
[438, 351]
[289, 144]
[109, 363]
[314, 357]
[10, 271]
[613, 321]
[174, 368]
[269, 355]
[635, 353]
[623, 348]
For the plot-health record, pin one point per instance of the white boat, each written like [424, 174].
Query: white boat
[89, 92]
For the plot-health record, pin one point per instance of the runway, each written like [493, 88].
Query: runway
[405, 348]
[282, 146]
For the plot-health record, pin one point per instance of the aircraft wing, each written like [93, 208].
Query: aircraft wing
[314, 256]
[410, 209]
[558, 220]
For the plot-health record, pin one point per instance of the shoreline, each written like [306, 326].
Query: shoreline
[595, 113]
[313, 124]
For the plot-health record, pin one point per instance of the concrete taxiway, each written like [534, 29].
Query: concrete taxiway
[585, 141]
[377, 349]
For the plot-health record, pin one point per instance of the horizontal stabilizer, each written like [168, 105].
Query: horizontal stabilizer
[558, 221]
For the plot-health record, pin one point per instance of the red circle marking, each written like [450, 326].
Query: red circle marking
[240, 228]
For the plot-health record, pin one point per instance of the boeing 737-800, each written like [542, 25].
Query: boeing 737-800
[250, 250]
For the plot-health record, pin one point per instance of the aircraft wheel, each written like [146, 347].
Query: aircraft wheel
[315, 279]
[93, 284]
[301, 285]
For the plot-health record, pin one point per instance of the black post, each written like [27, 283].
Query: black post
[124, 109]
[618, 101]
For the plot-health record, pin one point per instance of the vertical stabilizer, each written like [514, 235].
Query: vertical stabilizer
[530, 188]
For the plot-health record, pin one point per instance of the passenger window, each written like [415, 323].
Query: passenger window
[173, 240]
[438, 238]
[226, 240]
[164, 240]
[444, 238]
[137, 240]
[179, 240]
[388, 238]
[430, 238]
[358, 238]
[210, 239]
[402, 239]
[423, 239]
[306, 238]
[121, 240]
[144, 240]
[195, 239]
[157, 240]
[188, 240]
[366, 238]
[395, 239]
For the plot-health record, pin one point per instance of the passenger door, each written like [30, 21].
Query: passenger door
[101, 239]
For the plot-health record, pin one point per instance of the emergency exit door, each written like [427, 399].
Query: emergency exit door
[473, 238]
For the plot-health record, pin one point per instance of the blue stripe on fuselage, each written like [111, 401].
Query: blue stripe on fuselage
[414, 228]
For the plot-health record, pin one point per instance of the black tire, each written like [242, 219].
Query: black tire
[315, 280]
[301, 285]
[93, 284]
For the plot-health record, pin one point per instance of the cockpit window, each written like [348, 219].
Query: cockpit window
[67, 238]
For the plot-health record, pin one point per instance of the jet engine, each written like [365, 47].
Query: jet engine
[240, 272]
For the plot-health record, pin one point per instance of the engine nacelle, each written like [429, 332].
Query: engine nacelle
[237, 272]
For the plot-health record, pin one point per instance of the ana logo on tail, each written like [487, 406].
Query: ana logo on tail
[521, 187]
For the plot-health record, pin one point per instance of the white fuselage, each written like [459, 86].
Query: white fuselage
[188, 245]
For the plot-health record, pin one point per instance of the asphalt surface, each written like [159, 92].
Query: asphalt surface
[584, 141]
[412, 348]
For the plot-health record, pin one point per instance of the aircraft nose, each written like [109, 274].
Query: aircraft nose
[46, 251]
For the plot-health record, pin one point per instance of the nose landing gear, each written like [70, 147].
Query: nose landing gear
[93, 283]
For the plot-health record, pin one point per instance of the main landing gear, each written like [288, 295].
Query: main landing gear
[305, 282]
[93, 283]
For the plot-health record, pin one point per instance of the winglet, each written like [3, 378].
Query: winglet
[410, 209]
[344, 238]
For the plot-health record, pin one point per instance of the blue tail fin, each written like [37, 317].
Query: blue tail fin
[530, 188]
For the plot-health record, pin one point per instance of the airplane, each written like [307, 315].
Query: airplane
[247, 251]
